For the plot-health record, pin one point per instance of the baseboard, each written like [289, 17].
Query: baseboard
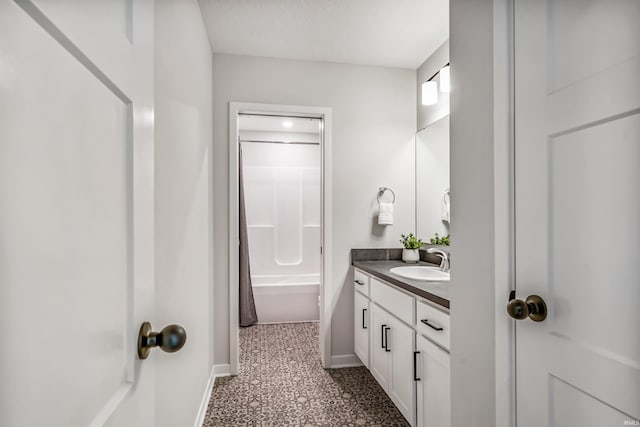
[205, 399]
[288, 321]
[345, 361]
[221, 370]
[216, 371]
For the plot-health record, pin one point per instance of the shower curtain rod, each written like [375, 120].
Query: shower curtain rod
[286, 116]
[279, 142]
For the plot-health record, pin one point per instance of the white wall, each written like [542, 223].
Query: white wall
[473, 201]
[373, 114]
[183, 205]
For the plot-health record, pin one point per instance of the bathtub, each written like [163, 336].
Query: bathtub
[283, 299]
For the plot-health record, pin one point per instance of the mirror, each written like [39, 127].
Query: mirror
[432, 178]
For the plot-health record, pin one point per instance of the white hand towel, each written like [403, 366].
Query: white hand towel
[446, 209]
[385, 213]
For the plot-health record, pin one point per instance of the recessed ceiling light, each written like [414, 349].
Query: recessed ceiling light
[287, 123]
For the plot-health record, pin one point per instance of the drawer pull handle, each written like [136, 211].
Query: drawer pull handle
[359, 282]
[434, 327]
[415, 366]
[382, 336]
[363, 325]
[386, 339]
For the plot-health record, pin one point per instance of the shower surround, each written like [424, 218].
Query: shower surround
[282, 196]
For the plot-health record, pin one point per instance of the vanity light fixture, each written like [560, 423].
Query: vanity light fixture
[445, 79]
[430, 87]
[429, 93]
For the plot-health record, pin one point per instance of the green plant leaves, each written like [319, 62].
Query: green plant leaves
[410, 241]
[437, 240]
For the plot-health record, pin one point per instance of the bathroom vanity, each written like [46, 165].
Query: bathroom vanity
[401, 334]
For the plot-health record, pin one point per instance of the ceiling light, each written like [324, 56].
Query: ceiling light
[445, 80]
[287, 123]
[429, 93]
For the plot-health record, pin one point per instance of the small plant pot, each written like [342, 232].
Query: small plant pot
[410, 255]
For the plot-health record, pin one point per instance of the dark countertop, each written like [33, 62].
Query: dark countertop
[437, 292]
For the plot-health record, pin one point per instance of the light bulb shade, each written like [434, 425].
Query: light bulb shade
[445, 80]
[429, 93]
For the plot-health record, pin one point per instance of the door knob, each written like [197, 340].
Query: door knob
[533, 307]
[170, 339]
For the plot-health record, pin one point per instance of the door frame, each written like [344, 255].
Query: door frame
[323, 114]
[504, 209]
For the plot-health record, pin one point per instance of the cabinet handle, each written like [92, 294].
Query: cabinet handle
[359, 282]
[415, 366]
[363, 325]
[426, 322]
[386, 339]
[382, 337]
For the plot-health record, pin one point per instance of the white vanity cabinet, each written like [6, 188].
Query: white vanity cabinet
[361, 316]
[432, 366]
[391, 359]
[392, 344]
[433, 384]
[379, 355]
[404, 341]
[399, 341]
[361, 325]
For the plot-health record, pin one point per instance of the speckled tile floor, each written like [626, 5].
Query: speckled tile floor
[281, 383]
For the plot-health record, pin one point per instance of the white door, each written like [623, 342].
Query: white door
[378, 353]
[401, 385]
[76, 212]
[577, 91]
[361, 328]
[433, 385]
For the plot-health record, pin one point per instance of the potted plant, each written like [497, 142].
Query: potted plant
[443, 241]
[411, 245]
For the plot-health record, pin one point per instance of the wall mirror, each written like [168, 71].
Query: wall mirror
[432, 179]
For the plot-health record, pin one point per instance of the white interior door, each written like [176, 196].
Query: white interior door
[76, 212]
[577, 91]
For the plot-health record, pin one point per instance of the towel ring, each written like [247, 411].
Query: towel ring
[381, 191]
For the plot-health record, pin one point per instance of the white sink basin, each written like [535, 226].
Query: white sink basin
[427, 274]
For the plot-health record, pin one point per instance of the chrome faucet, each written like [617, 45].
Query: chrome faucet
[445, 264]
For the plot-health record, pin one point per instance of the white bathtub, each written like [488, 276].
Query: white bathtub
[282, 299]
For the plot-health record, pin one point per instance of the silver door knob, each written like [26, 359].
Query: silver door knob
[170, 339]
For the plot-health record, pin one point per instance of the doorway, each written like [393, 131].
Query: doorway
[289, 243]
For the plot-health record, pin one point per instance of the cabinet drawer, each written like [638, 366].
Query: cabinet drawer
[433, 323]
[360, 282]
[392, 300]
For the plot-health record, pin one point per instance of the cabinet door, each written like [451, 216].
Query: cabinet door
[361, 323]
[433, 393]
[401, 386]
[378, 355]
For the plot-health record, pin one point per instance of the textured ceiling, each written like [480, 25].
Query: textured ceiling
[393, 33]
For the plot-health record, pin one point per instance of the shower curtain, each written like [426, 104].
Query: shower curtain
[248, 315]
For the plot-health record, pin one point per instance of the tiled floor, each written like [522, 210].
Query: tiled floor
[281, 383]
